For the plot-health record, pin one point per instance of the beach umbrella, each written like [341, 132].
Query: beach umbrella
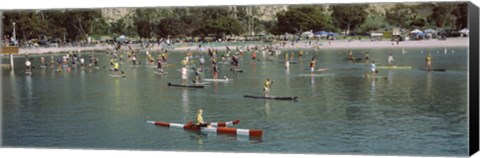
[332, 34]
[309, 34]
[430, 31]
[416, 31]
[464, 31]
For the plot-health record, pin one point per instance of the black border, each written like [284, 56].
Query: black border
[473, 20]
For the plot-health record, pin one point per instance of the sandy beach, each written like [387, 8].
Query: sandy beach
[323, 44]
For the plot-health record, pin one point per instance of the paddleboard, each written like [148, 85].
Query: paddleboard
[316, 75]
[187, 86]
[118, 76]
[435, 70]
[217, 80]
[28, 73]
[376, 77]
[272, 97]
[394, 67]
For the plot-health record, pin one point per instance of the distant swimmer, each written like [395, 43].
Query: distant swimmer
[429, 62]
[254, 55]
[266, 87]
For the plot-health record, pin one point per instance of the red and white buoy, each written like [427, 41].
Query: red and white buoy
[221, 128]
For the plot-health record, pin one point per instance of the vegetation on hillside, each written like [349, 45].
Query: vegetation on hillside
[220, 22]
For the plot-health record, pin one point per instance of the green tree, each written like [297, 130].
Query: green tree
[28, 24]
[374, 21]
[461, 14]
[348, 17]
[400, 16]
[171, 27]
[442, 15]
[301, 18]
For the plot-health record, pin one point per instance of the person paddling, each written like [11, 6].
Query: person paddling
[200, 122]
[266, 87]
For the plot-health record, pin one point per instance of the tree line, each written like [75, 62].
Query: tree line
[219, 22]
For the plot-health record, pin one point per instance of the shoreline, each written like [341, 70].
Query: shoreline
[323, 44]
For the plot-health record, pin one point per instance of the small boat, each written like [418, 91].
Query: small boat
[187, 86]
[218, 129]
[272, 97]
[117, 76]
[217, 80]
[394, 67]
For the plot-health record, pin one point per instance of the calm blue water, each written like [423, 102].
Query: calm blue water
[413, 112]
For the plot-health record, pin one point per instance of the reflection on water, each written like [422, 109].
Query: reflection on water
[185, 102]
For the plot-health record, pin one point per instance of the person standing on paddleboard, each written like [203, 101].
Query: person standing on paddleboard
[429, 62]
[312, 64]
[390, 60]
[116, 67]
[28, 66]
[374, 69]
[184, 75]
[266, 87]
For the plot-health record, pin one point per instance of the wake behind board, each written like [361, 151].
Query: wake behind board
[272, 97]
[117, 76]
[186, 86]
